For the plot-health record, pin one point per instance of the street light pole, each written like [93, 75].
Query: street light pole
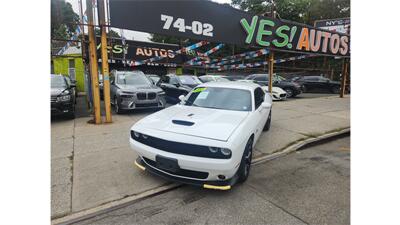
[93, 63]
[104, 61]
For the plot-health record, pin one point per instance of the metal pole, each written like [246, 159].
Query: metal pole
[104, 61]
[344, 77]
[271, 56]
[93, 63]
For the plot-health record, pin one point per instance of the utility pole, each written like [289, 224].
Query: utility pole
[344, 77]
[93, 64]
[104, 60]
[271, 54]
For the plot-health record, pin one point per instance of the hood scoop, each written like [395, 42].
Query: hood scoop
[183, 122]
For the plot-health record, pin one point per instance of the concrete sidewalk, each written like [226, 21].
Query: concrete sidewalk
[92, 165]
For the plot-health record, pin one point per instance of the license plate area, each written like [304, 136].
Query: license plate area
[167, 164]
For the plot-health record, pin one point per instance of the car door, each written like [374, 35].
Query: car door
[259, 112]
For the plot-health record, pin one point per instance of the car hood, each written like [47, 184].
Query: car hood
[195, 121]
[126, 87]
[56, 91]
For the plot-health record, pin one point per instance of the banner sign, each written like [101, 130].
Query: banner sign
[206, 20]
[138, 51]
[337, 25]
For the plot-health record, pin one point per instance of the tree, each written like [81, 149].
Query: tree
[111, 34]
[302, 11]
[63, 19]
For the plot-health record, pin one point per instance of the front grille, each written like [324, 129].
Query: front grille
[151, 95]
[282, 95]
[180, 172]
[179, 148]
[141, 95]
[53, 98]
[143, 105]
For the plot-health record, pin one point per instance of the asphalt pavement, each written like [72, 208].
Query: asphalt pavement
[310, 186]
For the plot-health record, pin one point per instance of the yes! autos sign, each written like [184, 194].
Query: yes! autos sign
[206, 20]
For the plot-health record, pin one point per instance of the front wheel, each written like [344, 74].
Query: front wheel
[268, 122]
[116, 106]
[335, 90]
[289, 92]
[245, 165]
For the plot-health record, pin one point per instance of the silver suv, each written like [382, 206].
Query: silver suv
[133, 90]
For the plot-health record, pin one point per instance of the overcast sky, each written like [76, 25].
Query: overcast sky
[132, 35]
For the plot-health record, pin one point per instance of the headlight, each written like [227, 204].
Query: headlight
[226, 151]
[137, 134]
[161, 93]
[145, 136]
[63, 98]
[213, 149]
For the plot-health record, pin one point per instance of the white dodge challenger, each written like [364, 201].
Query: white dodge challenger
[207, 139]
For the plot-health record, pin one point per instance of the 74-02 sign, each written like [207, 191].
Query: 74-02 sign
[196, 27]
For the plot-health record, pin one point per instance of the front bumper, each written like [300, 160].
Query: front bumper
[217, 184]
[133, 102]
[59, 108]
[192, 168]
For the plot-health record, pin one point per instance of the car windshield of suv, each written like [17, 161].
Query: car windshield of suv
[220, 98]
[58, 82]
[189, 80]
[131, 78]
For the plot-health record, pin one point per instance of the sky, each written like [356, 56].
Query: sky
[131, 35]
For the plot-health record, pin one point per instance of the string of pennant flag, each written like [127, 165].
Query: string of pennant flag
[206, 54]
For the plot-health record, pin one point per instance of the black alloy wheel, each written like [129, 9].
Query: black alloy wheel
[268, 122]
[245, 164]
[289, 92]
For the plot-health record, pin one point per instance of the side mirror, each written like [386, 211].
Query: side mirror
[182, 98]
[177, 85]
[266, 105]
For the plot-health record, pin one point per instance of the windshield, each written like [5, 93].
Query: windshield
[58, 82]
[130, 78]
[220, 98]
[189, 80]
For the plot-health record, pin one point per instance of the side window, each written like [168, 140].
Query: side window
[173, 80]
[261, 78]
[258, 97]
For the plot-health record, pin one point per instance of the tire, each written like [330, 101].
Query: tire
[305, 90]
[289, 92]
[116, 106]
[245, 164]
[268, 122]
[335, 90]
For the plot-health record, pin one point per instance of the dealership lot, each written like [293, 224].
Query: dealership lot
[93, 165]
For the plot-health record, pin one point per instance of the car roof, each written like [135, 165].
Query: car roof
[231, 84]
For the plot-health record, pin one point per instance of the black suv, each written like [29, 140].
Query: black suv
[292, 88]
[319, 84]
[62, 96]
[175, 85]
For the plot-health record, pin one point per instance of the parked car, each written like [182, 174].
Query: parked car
[175, 85]
[319, 84]
[132, 90]
[62, 96]
[208, 138]
[278, 94]
[155, 78]
[209, 78]
[291, 88]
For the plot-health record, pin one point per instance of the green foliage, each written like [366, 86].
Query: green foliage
[63, 19]
[165, 39]
[111, 34]
[303, 11]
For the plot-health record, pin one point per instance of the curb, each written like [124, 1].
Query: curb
[90, 213]
[296, 146]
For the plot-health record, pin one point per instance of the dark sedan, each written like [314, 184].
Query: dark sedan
[62, 96]
[319, 84]
[292, 88]
[175, 85]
